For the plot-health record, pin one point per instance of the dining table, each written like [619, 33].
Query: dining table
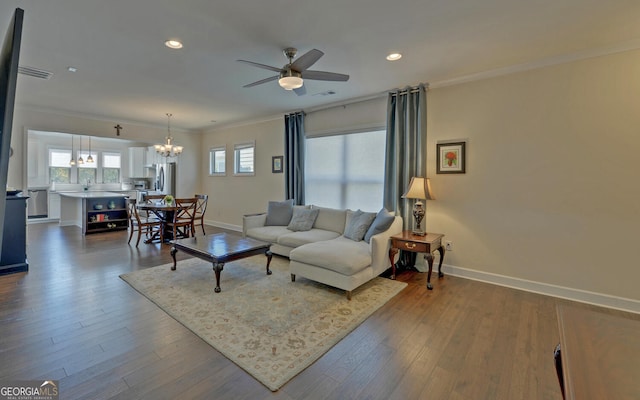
[164, 212]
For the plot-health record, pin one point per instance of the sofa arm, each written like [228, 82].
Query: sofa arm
[253, 221]
[379, 246]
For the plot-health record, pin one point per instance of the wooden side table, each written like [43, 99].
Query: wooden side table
[418, 244]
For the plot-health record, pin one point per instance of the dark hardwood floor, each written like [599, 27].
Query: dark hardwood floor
[71, 318]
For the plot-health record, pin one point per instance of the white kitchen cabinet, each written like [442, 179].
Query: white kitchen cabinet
[151, 156]
[137, 161]
[54, 205]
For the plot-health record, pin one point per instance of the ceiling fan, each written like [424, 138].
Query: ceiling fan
[292, 75]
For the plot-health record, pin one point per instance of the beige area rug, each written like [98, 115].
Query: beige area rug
[269, 326]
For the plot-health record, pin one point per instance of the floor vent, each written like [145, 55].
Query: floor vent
[35, 72]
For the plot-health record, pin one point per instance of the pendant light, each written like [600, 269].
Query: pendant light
[72, 162]
[89, 159]
[80, 160]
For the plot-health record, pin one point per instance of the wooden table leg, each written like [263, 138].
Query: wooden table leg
[429, 258]
[269, 254]
[441, 251]
[392, 255]
[217, 268]
[173, 255]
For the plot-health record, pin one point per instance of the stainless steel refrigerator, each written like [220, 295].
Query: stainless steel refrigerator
[166, 178]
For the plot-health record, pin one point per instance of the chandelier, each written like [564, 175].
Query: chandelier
[168, 149]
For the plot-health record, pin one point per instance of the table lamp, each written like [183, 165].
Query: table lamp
[419, 189]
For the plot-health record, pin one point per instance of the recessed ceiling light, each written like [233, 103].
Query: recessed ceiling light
[173, 44]
[394, 56]
[72, 69]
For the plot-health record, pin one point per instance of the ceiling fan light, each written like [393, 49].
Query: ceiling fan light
[290, 82]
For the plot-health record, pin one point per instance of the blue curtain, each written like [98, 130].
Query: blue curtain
[294, 157]
[406, 147]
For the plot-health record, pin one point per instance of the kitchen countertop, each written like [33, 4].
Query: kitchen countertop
[91, 194]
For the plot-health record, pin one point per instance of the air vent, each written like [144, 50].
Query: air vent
[35, 72]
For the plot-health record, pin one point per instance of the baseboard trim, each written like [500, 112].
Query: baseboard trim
[582, 296]
[224, 225]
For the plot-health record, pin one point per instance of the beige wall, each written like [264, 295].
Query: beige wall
[230, 197]
[551, 191]
[188, 178]
[550, 197]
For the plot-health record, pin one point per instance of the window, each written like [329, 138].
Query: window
[59, 168]
[87, 172]
[346, 171]
[110, 167]
[243, 158]
[217, 160]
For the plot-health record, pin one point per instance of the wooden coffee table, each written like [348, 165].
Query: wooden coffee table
[220, 248]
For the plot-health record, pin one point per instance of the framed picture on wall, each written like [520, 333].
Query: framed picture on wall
[276, 164]
[451, 158]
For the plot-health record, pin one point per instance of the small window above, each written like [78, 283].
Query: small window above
[217, 161]
[244, 159]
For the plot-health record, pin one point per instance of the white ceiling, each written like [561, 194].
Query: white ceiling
[126, 74]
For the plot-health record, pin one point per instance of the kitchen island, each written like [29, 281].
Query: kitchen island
[94, 211]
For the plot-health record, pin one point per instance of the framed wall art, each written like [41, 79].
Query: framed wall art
[451, 158]
[276, 164]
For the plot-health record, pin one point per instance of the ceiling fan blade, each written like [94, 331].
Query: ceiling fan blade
[306, 60]
[301, 91]
[263, 66]
[324, 76]
[265, 80]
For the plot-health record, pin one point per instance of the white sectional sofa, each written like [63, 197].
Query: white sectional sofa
[340, 248]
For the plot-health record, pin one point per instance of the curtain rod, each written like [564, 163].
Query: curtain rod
[414, 89]
[357, 100]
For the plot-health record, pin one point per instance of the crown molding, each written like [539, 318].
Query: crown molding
[98, 117]
[545, 62]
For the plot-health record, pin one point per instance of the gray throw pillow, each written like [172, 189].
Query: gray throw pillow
[302, 219]
[383, 221]
[358, 225]
[279, 213]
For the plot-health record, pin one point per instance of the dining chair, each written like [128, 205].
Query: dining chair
[147, 197]
[201, 208]
[183, 218]
[152, 227]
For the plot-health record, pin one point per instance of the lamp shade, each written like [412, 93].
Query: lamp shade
[419, 188]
